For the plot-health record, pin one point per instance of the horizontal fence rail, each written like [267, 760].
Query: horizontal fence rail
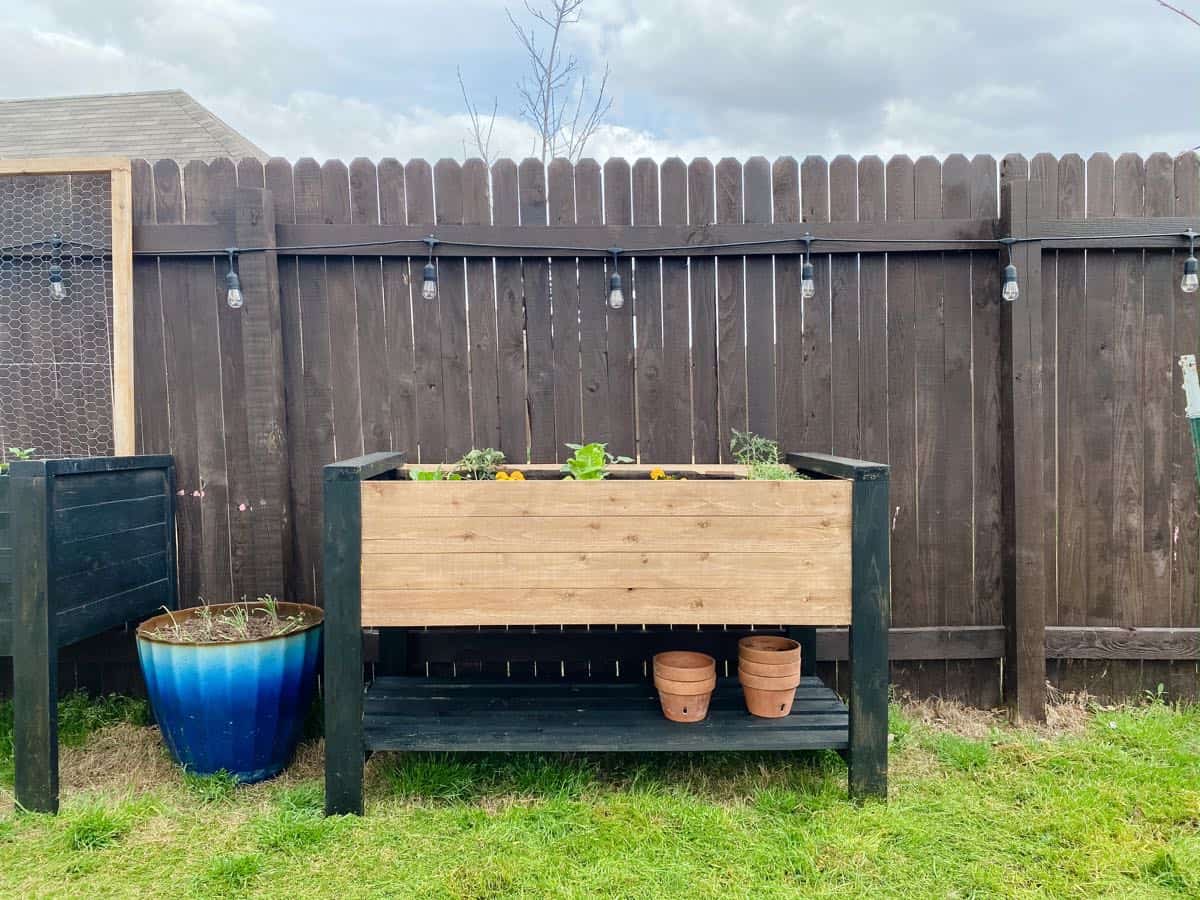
[1044, 505]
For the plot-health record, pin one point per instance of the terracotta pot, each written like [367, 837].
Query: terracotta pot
[767, 683]
[764, 648]
[768, 670]
[769, 704]
[685, 701]
[684, 665]
[685, 687]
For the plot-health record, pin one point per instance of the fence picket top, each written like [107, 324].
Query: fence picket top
[843, 188]
[589, 193]
[1014, 167]
[729, 191]
[250, 172]
[1100, 185]
[1160, 184]
[560, 187]
[306, 186]
[785, 189]
[278, 177]
[674, 192]
[390, 175]
[476, 199]
[701, 208]
[448, 191]
[927, 175]
[1130, 187]
[814, 189]
[1044, 169]
[871, 190]
[531, 191]
[364, 191]
[1071, 186]
[418, 186]
[900, 189]
[618, 199]
[504, 192]
[984, 202]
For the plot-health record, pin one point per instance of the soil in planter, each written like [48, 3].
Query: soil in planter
[231, 623]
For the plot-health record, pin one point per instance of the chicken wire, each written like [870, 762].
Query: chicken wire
[56, 354]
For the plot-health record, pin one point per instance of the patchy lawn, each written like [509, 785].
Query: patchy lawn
[1105, 803]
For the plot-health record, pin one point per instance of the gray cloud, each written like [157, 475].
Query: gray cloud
[689, 76]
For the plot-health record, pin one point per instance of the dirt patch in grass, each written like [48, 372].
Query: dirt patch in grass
[1066, 714]
[120, 758]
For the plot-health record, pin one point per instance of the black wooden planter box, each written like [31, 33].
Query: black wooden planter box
[391, 562]
[85, 545]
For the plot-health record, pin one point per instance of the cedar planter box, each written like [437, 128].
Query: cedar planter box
[714, 549]
[85, 545]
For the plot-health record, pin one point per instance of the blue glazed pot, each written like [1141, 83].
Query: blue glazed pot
[236, 706]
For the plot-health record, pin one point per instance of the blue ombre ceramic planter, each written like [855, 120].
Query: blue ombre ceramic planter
[233, 706]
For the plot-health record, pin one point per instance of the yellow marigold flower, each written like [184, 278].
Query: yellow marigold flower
[657, 474]
[502, 476]
[516, 476]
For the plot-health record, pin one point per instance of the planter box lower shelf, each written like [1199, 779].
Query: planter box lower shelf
[465, 715]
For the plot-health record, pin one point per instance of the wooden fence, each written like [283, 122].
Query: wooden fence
[904, 357]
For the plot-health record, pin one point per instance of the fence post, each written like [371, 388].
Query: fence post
[262, 364]
[1023, 501]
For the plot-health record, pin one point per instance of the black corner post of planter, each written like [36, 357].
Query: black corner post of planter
[34, 648]
[870, 615]
[342, 542]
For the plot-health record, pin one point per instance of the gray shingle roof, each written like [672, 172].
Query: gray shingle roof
[149, 125]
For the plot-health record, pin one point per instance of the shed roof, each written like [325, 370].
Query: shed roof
[147, 125]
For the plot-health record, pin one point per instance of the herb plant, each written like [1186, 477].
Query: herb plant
[588, 462]
[16, 453]
[761, 455]
[480, 465]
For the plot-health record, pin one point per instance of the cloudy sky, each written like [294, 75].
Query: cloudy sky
[345, 78]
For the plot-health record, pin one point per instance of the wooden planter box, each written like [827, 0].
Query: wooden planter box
[85, 545]
[711, 550]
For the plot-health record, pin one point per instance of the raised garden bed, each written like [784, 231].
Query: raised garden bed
[85, 545]
[712, 549]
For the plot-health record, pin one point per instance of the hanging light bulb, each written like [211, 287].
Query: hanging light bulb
[808, 285]
[429, 289]
[429, 282]
[1191, 273]
[1191, 276]
[616, 297]
[1010, 291]
[58, 287]
[233, 285]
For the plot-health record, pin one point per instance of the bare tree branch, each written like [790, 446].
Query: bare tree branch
[481, 136]
[1179, 12]
[553, 97]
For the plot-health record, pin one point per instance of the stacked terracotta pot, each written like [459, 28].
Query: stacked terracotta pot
[769, 670]
[685, 682]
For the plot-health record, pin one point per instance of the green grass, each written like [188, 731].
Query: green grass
[1112, 812]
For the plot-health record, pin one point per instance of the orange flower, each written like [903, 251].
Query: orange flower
[657, 475]
[516, 476]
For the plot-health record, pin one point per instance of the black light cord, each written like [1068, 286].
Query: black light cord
[804, 249]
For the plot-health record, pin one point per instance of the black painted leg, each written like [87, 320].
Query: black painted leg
[868, 640]
[344, 758]
[35, 654]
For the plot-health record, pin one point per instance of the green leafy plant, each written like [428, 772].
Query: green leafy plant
[588, 462]
[480, 465]
[16, 453]
[761, 455]
[438, 474]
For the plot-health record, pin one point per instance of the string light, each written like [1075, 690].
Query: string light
[58, 287]
[429, 289]
[233, 286]
[1191, 273]
[808, 284]
[1010, 288]
[616, 298]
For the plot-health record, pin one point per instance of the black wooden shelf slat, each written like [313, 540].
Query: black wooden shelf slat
[462, 715]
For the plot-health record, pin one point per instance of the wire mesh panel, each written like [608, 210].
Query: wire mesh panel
[56, 301]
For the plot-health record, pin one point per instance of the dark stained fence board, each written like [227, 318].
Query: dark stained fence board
[731, 312]
[618, 210]
[762, 414]
[706, 429]
[452, 305]
[565, 288]
[510, 321]
[539, 343]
